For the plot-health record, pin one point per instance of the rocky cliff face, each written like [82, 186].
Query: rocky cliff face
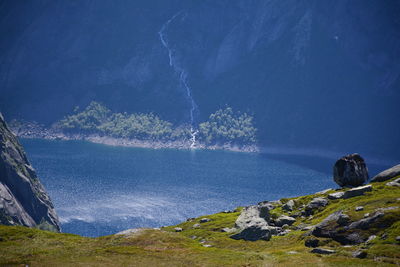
[23, 199]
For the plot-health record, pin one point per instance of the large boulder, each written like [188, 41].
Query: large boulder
[387, 174]
[350, 170]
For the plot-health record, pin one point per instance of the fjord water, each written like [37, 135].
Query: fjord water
[99, 190]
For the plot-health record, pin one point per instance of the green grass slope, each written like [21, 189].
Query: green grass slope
[208, 245]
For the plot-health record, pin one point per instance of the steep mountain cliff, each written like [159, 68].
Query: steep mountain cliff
[23, 199]
[313, 73]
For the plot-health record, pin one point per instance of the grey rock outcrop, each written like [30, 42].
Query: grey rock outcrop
[257, 215]
[23, 199]
[357, 191]
[340, 228]
[387, 174]
[332, 227]
[366, 222]
[253, 223]
[350, 170]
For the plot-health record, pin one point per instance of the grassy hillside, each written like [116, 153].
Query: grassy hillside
[205, 244]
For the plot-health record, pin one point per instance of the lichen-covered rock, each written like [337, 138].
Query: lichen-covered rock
[23, 199]
[350, 170]
[387, 174]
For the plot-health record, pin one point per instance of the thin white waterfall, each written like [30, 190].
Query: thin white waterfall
[182, 73]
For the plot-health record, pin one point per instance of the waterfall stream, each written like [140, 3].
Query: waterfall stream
[182, 73]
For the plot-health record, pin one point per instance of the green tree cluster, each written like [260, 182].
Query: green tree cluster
[223, 126]
[227, 126]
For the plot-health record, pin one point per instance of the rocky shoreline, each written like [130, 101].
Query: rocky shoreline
[33, 130]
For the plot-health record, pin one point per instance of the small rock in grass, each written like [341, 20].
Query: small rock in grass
[196, 225]
[204, 220]
[254, 233]
[322, 251]
[343, 219]
[372, 237]
[395, 182]
[193, 237]
[324, 191]
[190, 219]
[288, 206]
[207, 245]
[398, 238]
[361, 254]
[366, 215]
[283, 219]
[316, 203]
[357, 191]
[359, 208]
[307, 228]
[227, 211]
[292, 252]
[311, 243]
[282, 233]
[228, 230]
[178, 229]
[337, 195]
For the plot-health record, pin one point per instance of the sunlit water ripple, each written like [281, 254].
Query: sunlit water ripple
[99, 190]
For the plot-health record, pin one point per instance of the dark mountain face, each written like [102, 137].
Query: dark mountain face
[314, 73]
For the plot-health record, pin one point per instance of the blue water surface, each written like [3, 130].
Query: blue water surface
[100, 190]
